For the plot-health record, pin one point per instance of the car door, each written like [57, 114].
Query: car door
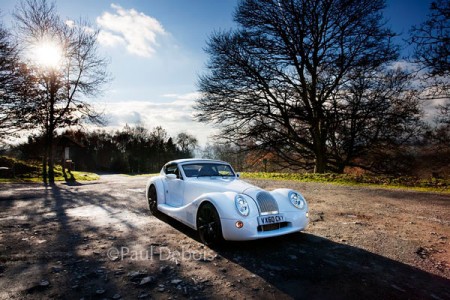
[175, 186]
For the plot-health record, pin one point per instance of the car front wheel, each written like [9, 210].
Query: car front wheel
[152, 200]
[208, 225]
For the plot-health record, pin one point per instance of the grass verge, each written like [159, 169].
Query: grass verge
[141, 174]
[22, 171]
[403, 182]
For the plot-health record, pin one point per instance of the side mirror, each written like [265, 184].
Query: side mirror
[171, 176]
[238, 174]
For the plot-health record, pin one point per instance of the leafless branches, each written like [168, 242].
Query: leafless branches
[65, 86]
[307, 80]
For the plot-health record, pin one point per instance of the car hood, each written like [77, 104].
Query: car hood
[218, 184]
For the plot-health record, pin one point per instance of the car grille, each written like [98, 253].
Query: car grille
[267, 204]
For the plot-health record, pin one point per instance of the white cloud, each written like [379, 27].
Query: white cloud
[403, 65]
[70, 23]
[174, 116]
[188, 96]
[109, 39]
[134, 29]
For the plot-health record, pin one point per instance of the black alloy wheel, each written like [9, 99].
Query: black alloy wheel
[152, 200]
[208, 225]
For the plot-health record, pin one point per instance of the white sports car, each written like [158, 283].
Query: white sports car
[208, 196]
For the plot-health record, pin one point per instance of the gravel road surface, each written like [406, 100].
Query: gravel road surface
[97, 240]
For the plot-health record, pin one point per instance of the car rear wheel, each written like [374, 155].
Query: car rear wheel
[208, 225]
[152, 200]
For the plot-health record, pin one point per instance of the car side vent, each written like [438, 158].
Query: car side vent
[267, 203]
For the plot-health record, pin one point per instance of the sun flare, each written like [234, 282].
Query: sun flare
[47, 54]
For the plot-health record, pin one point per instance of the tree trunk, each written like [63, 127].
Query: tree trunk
[51, 162]
[319, 137]
[320, 163]
[51, 128]
[44, 165]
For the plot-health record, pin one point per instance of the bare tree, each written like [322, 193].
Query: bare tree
[442, 129]
[377, 112]
[65, 83]
[16, 88]
[226, 152]
[186, 143]
[308, 80]
[432, 40]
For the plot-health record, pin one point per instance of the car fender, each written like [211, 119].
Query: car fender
[157, 181]
[225, 205]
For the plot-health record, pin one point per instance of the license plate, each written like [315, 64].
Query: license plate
[272, 219]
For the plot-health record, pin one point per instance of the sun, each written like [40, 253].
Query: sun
[47, 54]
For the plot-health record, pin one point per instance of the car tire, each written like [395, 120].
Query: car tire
[152, 200]
[208, 225]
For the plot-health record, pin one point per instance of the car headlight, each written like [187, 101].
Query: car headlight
[297, 200]
[242, 205]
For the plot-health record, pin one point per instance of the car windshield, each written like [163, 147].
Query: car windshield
[207, 170]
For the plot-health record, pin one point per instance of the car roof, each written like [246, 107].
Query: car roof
[196, 160]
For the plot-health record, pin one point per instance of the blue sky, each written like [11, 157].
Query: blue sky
[156, 53]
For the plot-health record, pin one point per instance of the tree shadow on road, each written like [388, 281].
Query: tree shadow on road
[306, 266]
[50, 240]
[56, 254]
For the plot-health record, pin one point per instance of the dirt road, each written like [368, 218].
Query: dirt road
[97, 240]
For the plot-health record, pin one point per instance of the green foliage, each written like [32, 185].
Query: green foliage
[432, 184]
